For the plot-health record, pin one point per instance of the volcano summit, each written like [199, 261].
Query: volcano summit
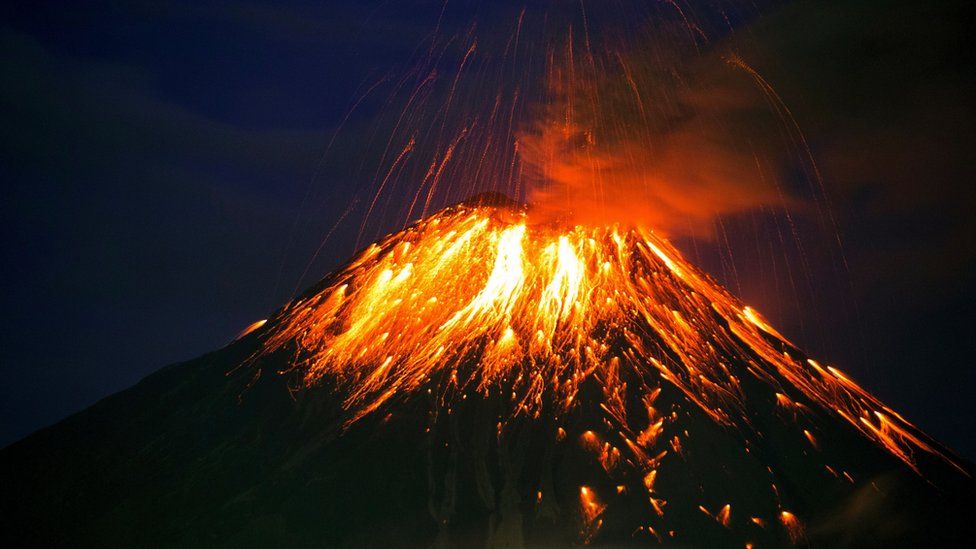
[481, 379]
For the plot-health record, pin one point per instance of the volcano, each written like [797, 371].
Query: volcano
[478, 379]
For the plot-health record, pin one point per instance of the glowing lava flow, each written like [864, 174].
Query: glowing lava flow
[476, 300]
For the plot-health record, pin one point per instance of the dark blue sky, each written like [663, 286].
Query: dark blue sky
[156, 158]
[167, 179]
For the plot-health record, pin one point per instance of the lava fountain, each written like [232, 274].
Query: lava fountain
[478, 304]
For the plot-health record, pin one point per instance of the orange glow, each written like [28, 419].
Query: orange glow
[658, 506]
[754, 318]
[591, 509]
[649, 480]
[609, 457]
[583, 163]
[478, 300]
[811, 439]
[725, 515]
[577, 310]
[590, 441]
[251, 328]
[792, 525]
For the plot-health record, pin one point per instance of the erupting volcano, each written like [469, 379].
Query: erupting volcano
[603, 338]
[545, 370]
[480, 378]
[473, 300]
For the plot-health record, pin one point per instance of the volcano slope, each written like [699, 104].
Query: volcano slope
[477, 380]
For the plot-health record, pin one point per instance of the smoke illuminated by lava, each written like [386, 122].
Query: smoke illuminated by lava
[618, 141]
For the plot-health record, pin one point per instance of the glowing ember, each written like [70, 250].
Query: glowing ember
[590, 509]
[792, 525]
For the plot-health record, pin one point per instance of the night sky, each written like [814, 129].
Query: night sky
[171, 169]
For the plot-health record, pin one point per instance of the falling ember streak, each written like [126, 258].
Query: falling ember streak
[590, 441]
[591, 509]
[792, 525]
[811, 439]
[649, 479]
[250, 328]
[724, 516]
[479, 300]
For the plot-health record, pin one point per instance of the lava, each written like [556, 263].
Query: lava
[478, 301]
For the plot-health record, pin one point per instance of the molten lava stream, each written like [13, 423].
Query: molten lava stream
[478, 301]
